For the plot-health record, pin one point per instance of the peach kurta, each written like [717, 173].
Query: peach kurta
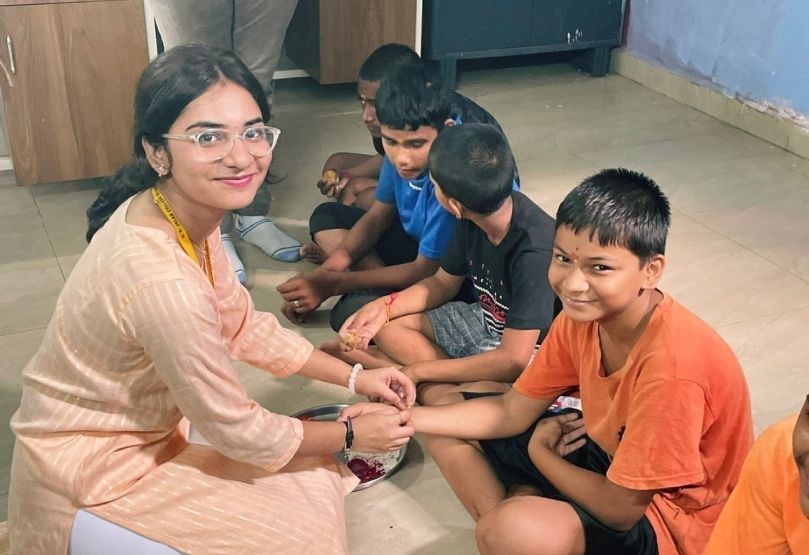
[139, 339]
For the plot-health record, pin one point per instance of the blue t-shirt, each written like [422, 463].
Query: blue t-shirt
[422, 217]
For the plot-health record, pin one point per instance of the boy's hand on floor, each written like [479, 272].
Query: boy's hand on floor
[288, 310]
[560, 435]
[306, 292]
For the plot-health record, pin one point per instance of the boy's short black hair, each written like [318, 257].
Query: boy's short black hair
[408, 99]
[473, 164]
[619, 207]
[385, 60]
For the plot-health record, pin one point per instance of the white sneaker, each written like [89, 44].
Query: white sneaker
[235, 261]
[261, 232]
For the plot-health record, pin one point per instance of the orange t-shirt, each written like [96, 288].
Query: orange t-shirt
[675, 418]
[763, 515]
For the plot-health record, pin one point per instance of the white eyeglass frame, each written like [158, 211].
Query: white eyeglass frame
[194, 137]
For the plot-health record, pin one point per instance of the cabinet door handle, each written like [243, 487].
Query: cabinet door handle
[10, 46]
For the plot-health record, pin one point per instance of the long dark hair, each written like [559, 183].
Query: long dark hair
[171, 82]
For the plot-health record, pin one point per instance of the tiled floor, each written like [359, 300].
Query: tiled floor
[737, 254]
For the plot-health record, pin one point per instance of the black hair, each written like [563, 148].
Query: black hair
[408, 99]
[385, 60]
[619, 207]
[170, 83]
[473, 164]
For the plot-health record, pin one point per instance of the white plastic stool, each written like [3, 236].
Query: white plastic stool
[92, 535]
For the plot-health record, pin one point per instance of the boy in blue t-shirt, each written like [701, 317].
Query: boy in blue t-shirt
[403, 235]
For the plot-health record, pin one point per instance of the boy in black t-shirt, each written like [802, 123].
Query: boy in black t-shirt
[503, 244]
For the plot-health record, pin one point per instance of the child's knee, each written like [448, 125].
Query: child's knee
[530, 526]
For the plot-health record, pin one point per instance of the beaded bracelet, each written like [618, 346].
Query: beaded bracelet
[352, 378]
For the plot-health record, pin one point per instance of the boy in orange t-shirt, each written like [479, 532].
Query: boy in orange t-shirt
[666, 405]
[768, 512]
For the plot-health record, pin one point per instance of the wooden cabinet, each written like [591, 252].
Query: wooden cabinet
[68, 76]
[457, 29]
[331, 38]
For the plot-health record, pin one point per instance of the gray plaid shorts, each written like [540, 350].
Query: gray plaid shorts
[461, 330]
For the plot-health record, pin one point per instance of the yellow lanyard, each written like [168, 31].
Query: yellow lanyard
[182, 234]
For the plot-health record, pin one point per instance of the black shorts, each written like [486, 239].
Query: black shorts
[512, 465]
[394, 247]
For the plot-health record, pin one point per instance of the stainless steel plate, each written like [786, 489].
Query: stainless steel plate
[330, 413]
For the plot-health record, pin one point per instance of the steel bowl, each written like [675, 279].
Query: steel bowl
[329, 413]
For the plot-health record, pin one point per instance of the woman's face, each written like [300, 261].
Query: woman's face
[231, 182]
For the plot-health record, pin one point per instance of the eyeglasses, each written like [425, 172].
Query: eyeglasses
[215, 144]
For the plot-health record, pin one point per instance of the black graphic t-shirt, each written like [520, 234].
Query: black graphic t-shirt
[510, 279]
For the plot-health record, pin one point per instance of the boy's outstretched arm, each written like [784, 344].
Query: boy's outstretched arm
[428, 293]
[502, 364]
[483, 418]
[615, 506]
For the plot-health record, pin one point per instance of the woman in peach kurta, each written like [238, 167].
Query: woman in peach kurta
[141, 343]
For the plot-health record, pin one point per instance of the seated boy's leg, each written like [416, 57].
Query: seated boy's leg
[328, 226]
[409, 339]
[463, 464]
[513, 466]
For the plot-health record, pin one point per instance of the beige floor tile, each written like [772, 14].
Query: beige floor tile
[18, 211]
[722, 144]
[722, 281]
[65, 219]
[28, 292]
[729, 184]
[777, 229]
[7, 179]
[22, 246]
[15, 352]
[773, 353]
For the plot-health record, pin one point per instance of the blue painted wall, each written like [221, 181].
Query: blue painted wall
[758, 49]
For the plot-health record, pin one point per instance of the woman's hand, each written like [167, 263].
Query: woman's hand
[365, 323]
[388, 385]
[378, 427]
[560, 435]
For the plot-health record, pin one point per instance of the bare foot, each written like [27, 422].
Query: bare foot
[313, 253]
